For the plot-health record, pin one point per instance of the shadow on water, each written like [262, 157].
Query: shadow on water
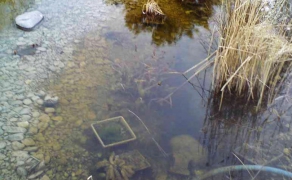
[9, 9]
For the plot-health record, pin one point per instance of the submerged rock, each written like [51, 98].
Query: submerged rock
[29, 20]
[186, 149]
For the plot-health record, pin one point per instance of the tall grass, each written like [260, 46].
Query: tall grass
[252, 53]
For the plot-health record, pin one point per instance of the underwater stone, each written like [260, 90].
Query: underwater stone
[15, 137]
[23, 124]
[35, 175]
[21, 172]
[13, 129]
[51, 101]
[2, 144]
[29, 20]
[17, 145]
[186, 149]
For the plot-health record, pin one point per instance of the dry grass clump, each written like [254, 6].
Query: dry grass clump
[153, 13]
[252, 51]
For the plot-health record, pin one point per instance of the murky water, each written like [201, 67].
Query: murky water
[103, 62]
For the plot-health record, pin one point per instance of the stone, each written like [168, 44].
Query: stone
[31, 149]
[40, 102]
[15, 137]
[25, 111]
[35, 175]
[13, 129]
[29, 20]
[28, 142]
[2, 156]
[2, 144]
[41, 166]
[25, 117]
[50, 101]
[44, 118]
[50, 110]
[41, 94]
[35, 114]
[23, 124]
[42, 126]
[27, 101]
[57, 118]
[186, 149]
[21, 171]
[17, 145]
[20, 155]
[45, 177]
[33, 130]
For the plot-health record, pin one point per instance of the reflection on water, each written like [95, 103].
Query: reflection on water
[9, 9]
[183, 19]
[113, 72]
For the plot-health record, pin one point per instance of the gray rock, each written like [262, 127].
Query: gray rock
[2, 144]
[41, 94]
[21, 172]
[13, 129]
[15, 137]
[29, 20]
[40, 101]
[25, 117]
[17, 145]
[1, 131]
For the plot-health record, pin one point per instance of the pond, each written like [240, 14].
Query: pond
[97, 60]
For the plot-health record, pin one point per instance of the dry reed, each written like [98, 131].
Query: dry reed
[253, 51]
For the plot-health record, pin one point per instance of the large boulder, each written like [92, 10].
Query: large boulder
[29, 20]
[186, 150]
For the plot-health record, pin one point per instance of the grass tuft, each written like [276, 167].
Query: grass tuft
[252, 53]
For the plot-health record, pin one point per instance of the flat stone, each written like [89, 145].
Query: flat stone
[17, 145]
[21, 171]
[44, 118]
[2, 156]
[28, 142]
[27, 101]
[40, 101]
[33, 130]
[50, 110]
[25, 111]
[20, 155]
[31, 149]
[45, 177]
[35, 175]
[25, 117]
[57, 118]
[29, 20]
[2, 144]
[35, 114]
[13, 129]
[186, 149]
[15, 137]
[23, 124]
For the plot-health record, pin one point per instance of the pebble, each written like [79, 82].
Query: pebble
[35, 114]
[50, 110]
[21, 172]
[15, 137]
[28, 142]
[40, 101]
[23, 124]
[45, 177]
[13, 129]
[33, 130]
[2, 144]
[35, 175]
[17, 145]
[25, 111]
[27, 101]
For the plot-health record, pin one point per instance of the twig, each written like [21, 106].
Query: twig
[156, 143]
